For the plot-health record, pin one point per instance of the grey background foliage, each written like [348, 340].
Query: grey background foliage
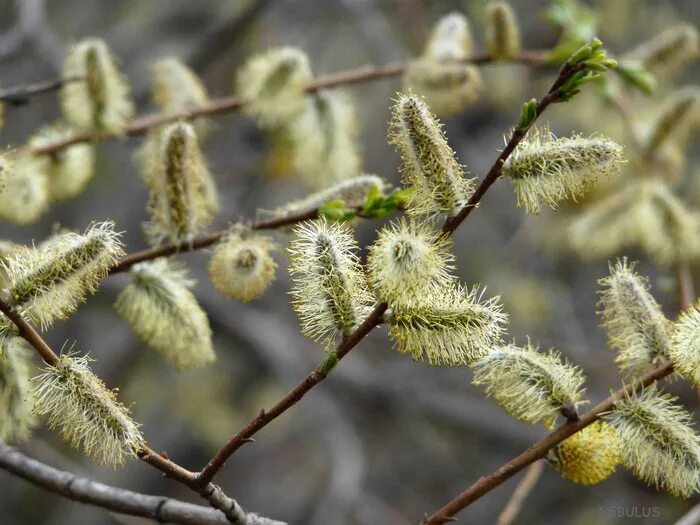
[384, 439]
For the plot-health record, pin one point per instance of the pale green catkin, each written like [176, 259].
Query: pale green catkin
[676, 117]
[668, 53]
[503, 40]
[546, 169]
[325, 140]
[427, 161]
[329, 291]
[530, 385]
[448, 327]
[86, 413]
[16, 396]
[241, 266]
[272, 85]
[101, 102]
[684, 350]
[660, 446]
[637, 328]
[68, 171]
[161, 309]
[175, 87]
[182, 198]
[25, 192]
[48, 283]
[408, 260]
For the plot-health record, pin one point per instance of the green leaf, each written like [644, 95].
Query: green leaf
[636, 75]
[336, 211]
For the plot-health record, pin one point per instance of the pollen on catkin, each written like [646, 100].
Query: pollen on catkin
[408, 260]
[161, 309]
[182, 197]
[353, 192]
[329, 291]
[272, 85]
[86, 413]
[24, 191]
[589, 456]
[668, 53]
[324, 140]
[48, 283]
[69, 170]
[428, 163]
[101, 102]
[175, 87]
[241, 266]
[530, 385]
[503, 40]
[16, 396]
[684, 350]
[546, 169]
[452, 326]
[661, 447]
[637, 328]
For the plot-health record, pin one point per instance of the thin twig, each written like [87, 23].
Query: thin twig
[686, 286]
[515, 503]
[20, 95]
[539, 450]
[229, 104]
[375, 317]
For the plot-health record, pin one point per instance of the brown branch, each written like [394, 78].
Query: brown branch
[686, 286]
[20, 95]
[512, 508]
[229, 104]
[375, 318]
[212, 493]
[539, 450]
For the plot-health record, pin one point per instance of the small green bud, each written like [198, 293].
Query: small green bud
[528, 114]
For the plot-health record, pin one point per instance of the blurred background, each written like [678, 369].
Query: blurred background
[384, 439]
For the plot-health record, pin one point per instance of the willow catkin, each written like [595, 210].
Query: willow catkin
[161, 309]
[329, 291]
[666, 54]
[503, 40]
[272, 85]
[451, 326]
[16, 396]
[545, 169]
[241, 266]
[660, 446]
[428, 163]
[684, 350]
[677, 116]
[86, 413]
[530, 385]
[24, 191]
[637, 328]
[68, 171]
[101, 102]
[182, 198]
[48, 283]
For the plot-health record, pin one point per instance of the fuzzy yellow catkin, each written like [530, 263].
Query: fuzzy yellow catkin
[272, 85]
[669, 52]
[16, 396]
[182, 198]
[660, 446]
[451, 326]
[24, 192]
[161, 309]
[408, 260]
[353, 192]
[329, 291]
[589, 456]
[86, 413]
[324, 139]
[175, 87]
[447, 85]
[241, 266]
[684, 350]
[503, 40]
[68, 171]
[546, 169]
[428, 163]
[530, 385]
[676, 117]
[100, 102]
[48, 283]
[637, 328]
